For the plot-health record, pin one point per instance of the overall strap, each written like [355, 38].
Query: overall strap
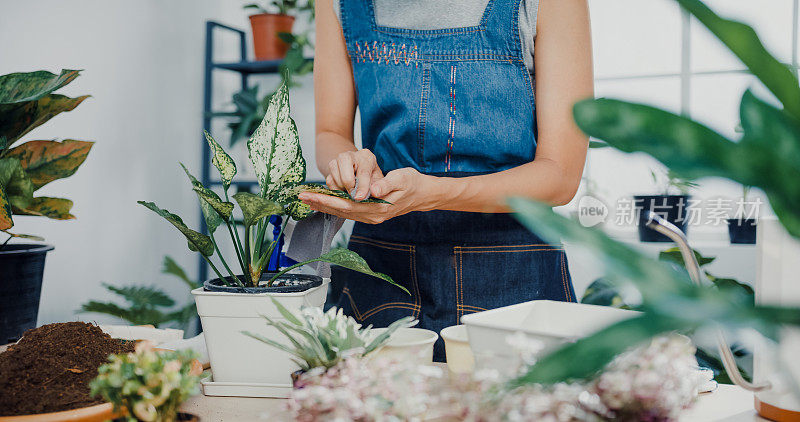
[501, 20]
[357, 18]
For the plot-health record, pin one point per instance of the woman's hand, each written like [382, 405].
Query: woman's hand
[354, 170]
[407, 190]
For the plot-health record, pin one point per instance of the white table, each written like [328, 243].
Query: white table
[728, 403]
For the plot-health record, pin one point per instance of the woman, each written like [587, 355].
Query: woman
[451, 126]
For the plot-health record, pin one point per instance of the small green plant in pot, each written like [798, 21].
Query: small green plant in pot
[148, 385]
[235, 301]
[271, 19]
[27, 100]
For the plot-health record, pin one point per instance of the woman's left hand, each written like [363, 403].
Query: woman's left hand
[407, 190]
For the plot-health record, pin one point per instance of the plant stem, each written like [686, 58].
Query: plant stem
[219, 254]
[6, 242]
[234, 231]
[214, 267]
[248, 257]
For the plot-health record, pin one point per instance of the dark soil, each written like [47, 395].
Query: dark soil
[49, 369]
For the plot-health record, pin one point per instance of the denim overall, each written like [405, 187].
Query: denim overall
[449, 102]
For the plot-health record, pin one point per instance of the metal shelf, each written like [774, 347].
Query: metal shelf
[251, 68]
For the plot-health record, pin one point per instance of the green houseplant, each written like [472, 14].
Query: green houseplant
[272, 19]
[27, 100]
[149, 384]
[235, 301]
[766, 156]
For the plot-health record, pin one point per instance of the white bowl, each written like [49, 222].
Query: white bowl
[456, 348]
[552, 323]
[408, 343]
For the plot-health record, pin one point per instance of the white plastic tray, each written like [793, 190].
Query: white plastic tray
[551, 322]
[244, 389]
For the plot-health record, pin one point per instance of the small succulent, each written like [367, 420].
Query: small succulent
[149, 384]
[322, 339]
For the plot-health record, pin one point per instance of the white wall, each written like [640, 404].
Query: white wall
[143, 64]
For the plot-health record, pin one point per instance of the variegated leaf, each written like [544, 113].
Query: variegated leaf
[254, 207]
[298, 210]
[274, 148]
[6, 219]
[221, 160]
[17, 119]
[55, 208]
[24, 236]
[215, 210]
[353, 261]
[30, 86]
[197, 241]
[16, 184]
[45, 161]
[318, 188]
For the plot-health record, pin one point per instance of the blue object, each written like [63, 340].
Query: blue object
[449, 102]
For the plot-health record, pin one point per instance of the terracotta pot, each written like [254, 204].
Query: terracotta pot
[266, 42]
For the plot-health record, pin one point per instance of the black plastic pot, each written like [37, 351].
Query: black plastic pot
[670, 207]
[742, 230]
[287, 283]
[21, 270]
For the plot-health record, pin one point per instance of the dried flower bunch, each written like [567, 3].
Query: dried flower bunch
[653, 382]
[322, 339]
[150, 384]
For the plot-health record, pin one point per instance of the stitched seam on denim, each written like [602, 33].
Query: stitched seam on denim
[369, 313]
[377, 245]
[564, 279]
[418, 298]
[512, 246]
[382, 242]
[459, 314]
[473, 307]
[363, 54]
[512, 251]
[422, 121]
[451, 123]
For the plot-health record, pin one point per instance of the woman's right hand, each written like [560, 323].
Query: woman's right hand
[354, 170]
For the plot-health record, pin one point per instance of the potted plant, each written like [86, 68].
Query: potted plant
[742, 229]
[232, 303]
[669, 205]
[271, 21]
[766, 157]
[148, 385]
[27, 100]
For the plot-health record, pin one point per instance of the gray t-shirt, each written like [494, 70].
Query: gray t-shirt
[442, 14]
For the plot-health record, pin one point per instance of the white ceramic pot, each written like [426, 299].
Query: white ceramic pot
[456, 349]
[408, 344]
[241, 365]
[552, 323]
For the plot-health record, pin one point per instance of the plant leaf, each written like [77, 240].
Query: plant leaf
[30, 86]
[55, 208]
[24, 236]
[45, 161]
[674, 255]
[215, 210]
[604, 293]
[17, 119]
[254, 207]
[286, 314]
[197, 241]
[142, 295]
[352, 261]
[172, 267]
[6, 219]
[274, 148]
[743, 41]
[17, 187]
[221, 160]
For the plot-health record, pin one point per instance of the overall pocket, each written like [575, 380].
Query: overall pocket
[371, 300]
[489, 277]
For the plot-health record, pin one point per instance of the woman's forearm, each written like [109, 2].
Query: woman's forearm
[543, 180]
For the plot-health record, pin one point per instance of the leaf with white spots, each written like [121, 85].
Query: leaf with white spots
[221, 160]
[274, 148]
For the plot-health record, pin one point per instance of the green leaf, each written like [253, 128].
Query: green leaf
[743, 41]
[604, 293]
[45, 161]
[222, 161]
[286, 314]
[30, 86]
[18, 119]
[6, 219]
[215, 210]
[24, 236]
[674, 255]
[585, 357]
[318, 188]
[172, 267]
[142, 295]
[352, 261]
[274, 148]
[17, 187]
[254, 207]
[382, 338]
[197, 241]
[44, 206]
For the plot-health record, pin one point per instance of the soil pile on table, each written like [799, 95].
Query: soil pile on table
[49, 369]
